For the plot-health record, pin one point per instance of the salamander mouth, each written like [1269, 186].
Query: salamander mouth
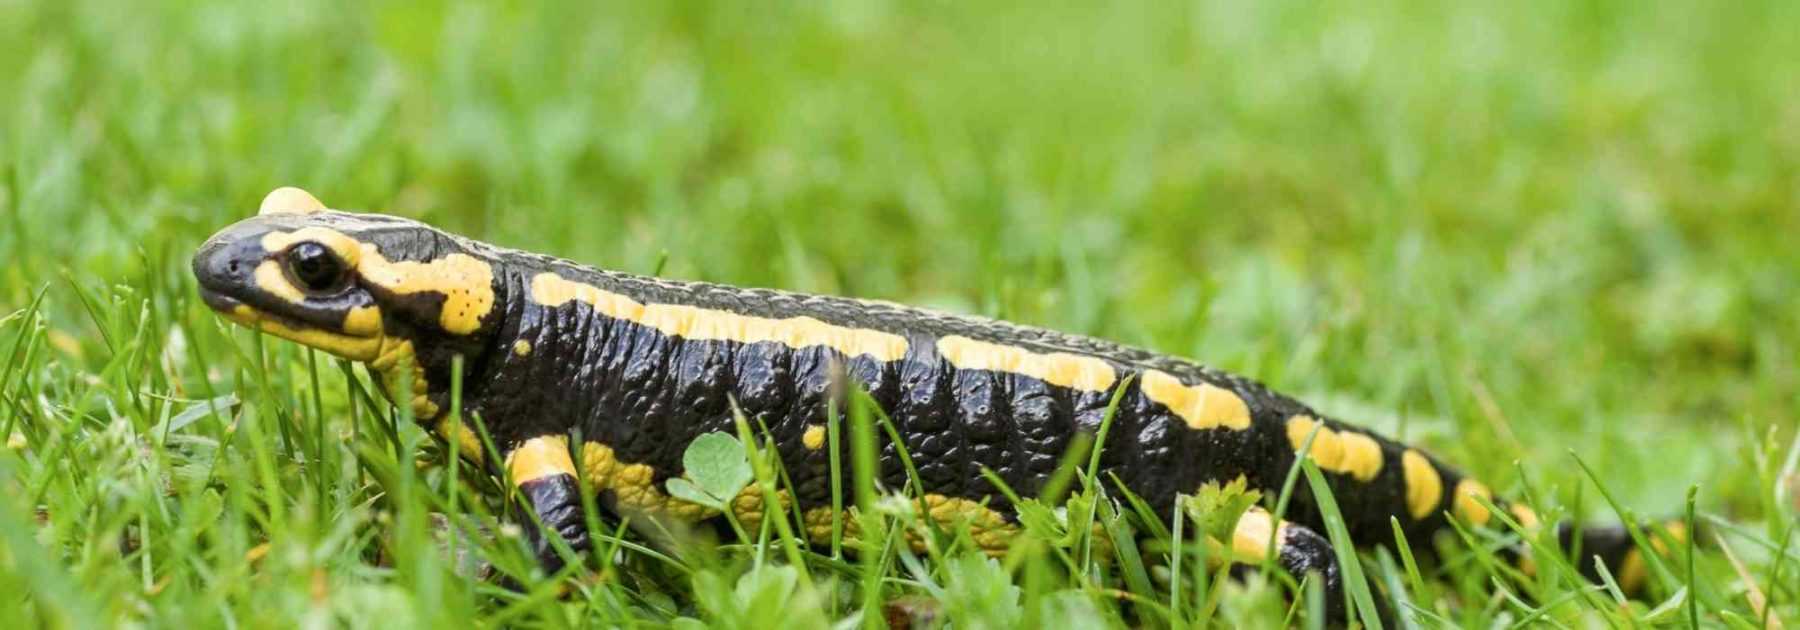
[238, 311]
[219, 302]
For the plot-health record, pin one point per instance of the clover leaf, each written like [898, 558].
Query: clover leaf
[715, 470]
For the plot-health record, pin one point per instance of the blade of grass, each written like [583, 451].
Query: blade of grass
[1350, 573]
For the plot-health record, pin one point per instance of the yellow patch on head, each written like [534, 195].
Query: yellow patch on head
[1202, 406]
[289, 200]
[522, 347]
[540, 457]
[466, 282]
[1424, 488]
[1346, 451]
[691, 322]
[346, 346]
[1467, 506]
[347, 249]
[272, 281]
[385, 356]
[363, 321]
[814, 438]
[1057, 368]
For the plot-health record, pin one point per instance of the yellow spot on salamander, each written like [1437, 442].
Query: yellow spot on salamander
[1633, 573]
[289, 200]
[346, 346]
[691, 322]
[540, 457]
[1467, 506]
[1424, 488]
[466, 282]
[1346, 451]
[1250, 539]
[468, 445]
[1528, 521]
[633, 486]
[1676, 530]
[387, 357]
[1527, 518]
[347, 249]
[1057, 368]
[522, 347]
[1202, 406]
[987, 528]
[747, 506]
[270, 279]
[397, 365]
[363, 321]
[814, 438]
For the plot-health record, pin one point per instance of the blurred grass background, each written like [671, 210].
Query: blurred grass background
[1507, 230]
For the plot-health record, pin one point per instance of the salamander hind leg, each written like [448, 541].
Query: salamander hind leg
[545, 475]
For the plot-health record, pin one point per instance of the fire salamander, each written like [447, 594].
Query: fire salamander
[638, 367]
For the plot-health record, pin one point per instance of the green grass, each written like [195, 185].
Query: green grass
[1508, 231]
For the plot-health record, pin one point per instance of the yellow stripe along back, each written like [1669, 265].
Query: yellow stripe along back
[692, 322]
[1201, 406]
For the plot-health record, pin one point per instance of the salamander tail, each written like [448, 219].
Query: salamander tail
[1613, 547]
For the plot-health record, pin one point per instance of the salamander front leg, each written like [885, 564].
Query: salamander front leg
[1298, 549]
[545, 474]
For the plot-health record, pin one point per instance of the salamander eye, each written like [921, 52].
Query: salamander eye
[315, 267]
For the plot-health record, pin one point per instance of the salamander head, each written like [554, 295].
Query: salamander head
[390, 292]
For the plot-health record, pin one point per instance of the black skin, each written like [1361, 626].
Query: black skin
[648, 395]
[1303, 551]
[556, 502]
